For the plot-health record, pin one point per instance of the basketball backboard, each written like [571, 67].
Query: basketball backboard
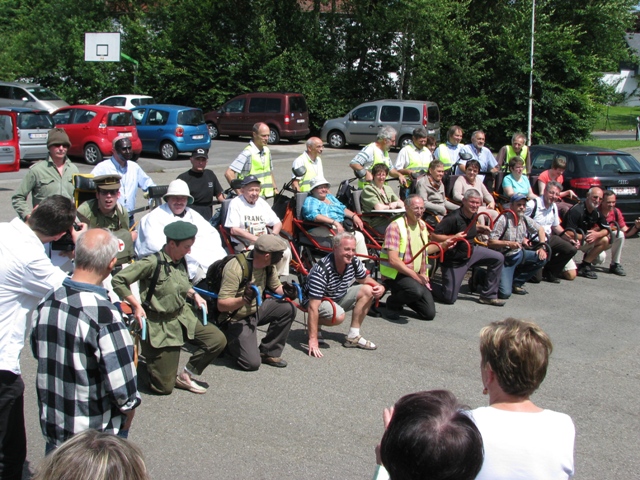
[102, 47]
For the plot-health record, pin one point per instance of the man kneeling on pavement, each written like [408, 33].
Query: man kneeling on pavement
[333, 277]
[512, 236]
[239, 312]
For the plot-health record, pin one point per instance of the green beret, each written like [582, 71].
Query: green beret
[180, 230]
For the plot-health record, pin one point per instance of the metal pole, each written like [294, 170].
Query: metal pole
[533, 31]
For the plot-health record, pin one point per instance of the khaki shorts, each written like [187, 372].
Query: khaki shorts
[345, 304]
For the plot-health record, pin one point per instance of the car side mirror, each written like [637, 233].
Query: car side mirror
[351, 117]
[300, 171]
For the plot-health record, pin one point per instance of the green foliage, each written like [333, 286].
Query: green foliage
[470, 56]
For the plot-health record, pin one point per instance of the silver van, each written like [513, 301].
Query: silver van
[361, 125]
[29, 95]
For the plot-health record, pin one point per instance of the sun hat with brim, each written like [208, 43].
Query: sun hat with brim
[318, 181]
[178, 188]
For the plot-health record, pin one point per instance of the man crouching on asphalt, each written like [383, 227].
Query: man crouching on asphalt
[239, 312]
[332, 277]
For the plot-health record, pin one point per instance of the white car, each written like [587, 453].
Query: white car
[127, 101]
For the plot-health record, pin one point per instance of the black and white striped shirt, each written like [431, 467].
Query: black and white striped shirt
[325, 281]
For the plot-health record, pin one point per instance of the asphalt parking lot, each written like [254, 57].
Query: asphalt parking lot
[321, 418]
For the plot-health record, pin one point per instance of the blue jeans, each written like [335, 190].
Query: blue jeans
[518, 268]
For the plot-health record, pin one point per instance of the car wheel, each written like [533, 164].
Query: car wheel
[274, 136]
[213, 131]
[92, 154]
[404, 141]
[336, 139]
[168, 151]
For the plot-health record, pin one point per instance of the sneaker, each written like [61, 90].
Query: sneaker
[491, 301]
[518, 290]
[617, 269]
[586, 271]
[273, 361]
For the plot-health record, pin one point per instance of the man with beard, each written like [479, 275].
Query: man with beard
[520, 264]
[203, 184]
[132, 176]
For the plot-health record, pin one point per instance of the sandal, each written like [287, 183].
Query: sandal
[355, 343]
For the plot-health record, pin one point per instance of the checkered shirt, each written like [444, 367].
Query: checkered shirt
[86, 377]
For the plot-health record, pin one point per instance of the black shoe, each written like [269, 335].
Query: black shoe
[390, 314]
[374, 312]
[273, 361]
[551, 278]
[617, 269]
[518, 290]
[586, 271]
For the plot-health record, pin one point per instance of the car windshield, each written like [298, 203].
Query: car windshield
[603, 165]
[42, 93]
[33, 120]
[120, 119]
[190, 117]
[143, 101]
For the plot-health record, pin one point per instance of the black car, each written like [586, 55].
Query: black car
[594, 167]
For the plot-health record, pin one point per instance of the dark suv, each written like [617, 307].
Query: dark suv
[595, 167]
[285, 113]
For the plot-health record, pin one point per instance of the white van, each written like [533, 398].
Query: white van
[29, 95]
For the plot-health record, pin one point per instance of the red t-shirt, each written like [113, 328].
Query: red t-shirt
[544, 178]
[615, 215]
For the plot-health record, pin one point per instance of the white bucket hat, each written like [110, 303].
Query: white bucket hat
[317, 181]
[178, 188]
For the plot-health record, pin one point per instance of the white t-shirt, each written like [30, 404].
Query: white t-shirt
[546, 216]
[525, 446]
[254, 218]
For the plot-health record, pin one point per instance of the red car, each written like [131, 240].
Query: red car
[9, 142]
[92, 128]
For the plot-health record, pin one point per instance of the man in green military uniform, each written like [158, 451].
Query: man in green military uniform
[165, 286]
[53, 176]
[105, 212]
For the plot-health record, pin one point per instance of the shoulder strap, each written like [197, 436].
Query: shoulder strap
[154, 281]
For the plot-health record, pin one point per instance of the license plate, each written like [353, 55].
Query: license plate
[431, 132]
[301, 120]
[37, 135]
[197, 137]
[126, 134]
[624, 190]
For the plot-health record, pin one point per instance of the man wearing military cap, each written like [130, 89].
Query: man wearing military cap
[53, 176]
[165, 288]
[239, 311]
[105, 212]
[203, 184]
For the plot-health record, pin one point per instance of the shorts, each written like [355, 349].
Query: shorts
[345, 304]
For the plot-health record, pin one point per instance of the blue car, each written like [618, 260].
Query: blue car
[171, 129]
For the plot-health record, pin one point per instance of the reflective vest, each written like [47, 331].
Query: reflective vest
[385, 268]
[314, 169]
[444, 154]
[261, 169]
[377, 158]
[512, 153]
[416, 163]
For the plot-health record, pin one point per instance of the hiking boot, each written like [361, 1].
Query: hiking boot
[491, 301]
[617, 269]
[586, 271]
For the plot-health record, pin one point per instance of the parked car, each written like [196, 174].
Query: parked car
[92, 128]
[171, 129]
[127, 101]
[594, 167]
[30, 95]
[9, 147]
[285, 113]
[33, 129]
[361, 124]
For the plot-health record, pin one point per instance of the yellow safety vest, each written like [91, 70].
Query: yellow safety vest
[444, 155]
[261, 169]
[376, 159]
[305, 183]
[512, 153]
[385, 268]
[415, 162]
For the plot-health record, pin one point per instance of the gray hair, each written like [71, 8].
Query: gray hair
[553, 184]
[419, 132]
[337, 240]
[473, 135]
[407, 201]
[256, 127]
[386, 133]
[95, 249]
[519, 135]
[472, 193]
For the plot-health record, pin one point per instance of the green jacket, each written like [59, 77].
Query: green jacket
[118, 224]
[169, 310]
[41, 181]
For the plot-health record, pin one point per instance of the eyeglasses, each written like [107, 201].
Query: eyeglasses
[107, 193]
[59, 145]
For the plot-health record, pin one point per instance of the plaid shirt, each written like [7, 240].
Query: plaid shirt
[86, 377]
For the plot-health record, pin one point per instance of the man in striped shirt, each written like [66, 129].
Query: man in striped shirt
[333, 277]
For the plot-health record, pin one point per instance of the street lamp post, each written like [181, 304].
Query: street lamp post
[533, 31]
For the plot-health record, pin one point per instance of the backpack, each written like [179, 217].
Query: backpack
[213, 281]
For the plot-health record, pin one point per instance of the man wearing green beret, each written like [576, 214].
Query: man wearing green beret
[170, 319]
[53, 176]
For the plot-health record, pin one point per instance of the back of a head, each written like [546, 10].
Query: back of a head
[93, 455]
[430, 437]
[95, 249]
[54, 215]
